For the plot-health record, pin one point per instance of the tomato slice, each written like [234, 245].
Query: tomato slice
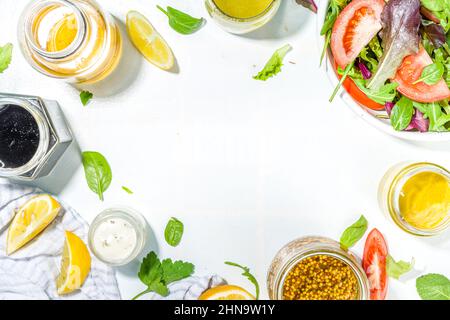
[374, 264]
[410, 71]
[355, 26]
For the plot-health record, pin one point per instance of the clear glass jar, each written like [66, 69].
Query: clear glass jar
[73, 40]
[292, 253]
[239, 25]
[108, 242]
[391, 186]
[54, 136]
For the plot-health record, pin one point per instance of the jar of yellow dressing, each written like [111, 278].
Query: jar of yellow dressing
[417, 197]
[242, 16]
[73, 40]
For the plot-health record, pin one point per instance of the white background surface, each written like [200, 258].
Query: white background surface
[246, 165]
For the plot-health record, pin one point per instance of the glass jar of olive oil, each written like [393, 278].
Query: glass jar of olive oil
[316, 268]
[242, 16]
[416, 197]
[74, 40]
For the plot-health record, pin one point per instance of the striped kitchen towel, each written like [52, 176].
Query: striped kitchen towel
[30, 272]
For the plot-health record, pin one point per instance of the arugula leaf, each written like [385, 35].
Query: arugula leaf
[402, 114]
[85, 96]
[433, 5]
[157, 275]
[97, 171]
[182, 22]
[354, 233]
[385, 94]
[173, 232]
[127, 190]
[273, 66]
[347, 70]
[5, 56]
[434, 112]
[433, 287]
[431, 74]
[248, 275]
[333, 11]
[325, 47]
[397, 269]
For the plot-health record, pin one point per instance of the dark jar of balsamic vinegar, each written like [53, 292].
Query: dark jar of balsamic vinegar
[33, 136]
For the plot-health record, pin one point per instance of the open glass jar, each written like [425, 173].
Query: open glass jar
[416, 197]
[73, 40]
[33, 136]
[242, 16]
[302, 250]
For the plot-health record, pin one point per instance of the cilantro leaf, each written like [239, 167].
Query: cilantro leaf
[354, 233]
[273, 66]
[85, 96]
[174, 271]
[433, 287]
[397, 269]
[248, 275]
[5, 56]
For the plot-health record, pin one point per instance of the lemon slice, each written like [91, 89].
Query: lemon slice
[75, 265]
[226, 292]
[31, 218]
[148, 41]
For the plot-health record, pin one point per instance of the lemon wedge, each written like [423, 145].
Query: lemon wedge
[75, 265]
[226, 292]
[148, 41]
[31, 218]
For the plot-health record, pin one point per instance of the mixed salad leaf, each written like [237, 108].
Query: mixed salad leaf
[404, 70]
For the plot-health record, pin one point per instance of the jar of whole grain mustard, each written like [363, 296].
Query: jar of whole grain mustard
[316, 268]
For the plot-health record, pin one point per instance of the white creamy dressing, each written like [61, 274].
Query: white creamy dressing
[114, 239]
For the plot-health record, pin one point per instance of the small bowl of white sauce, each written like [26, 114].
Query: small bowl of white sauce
[117, 235]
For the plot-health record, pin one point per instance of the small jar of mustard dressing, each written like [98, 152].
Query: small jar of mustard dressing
[242, 16]
[316, 268]
[416, 196]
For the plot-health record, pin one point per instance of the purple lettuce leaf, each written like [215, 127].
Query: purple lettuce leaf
[310, 4]
[418, 122]
[400, 38]
[436, 34]
[363, 68]
[389, 106]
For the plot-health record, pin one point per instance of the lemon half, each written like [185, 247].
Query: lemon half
[226, 292]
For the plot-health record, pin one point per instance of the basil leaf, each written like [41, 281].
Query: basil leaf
[431, 74]
[98, 172]
[174, 232]
[5, 56]
[85, 96]
[402, 114]
[385, 94]
[273, 66]
[433, 287]
[354, 233]
[397, 269]
[182, 22]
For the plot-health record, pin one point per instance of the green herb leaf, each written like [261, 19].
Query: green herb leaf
[433, 5]
[173, 232]
[330, 18]
[98, 172]
[434, 112]
[182, 22]
[402, 114]
[248, 275]
[273, 66]
[344, 76]
[431, 74]
[354, 233]
[385, 94]
[397, 269]
[85, 96]
[325, 47]
[433, 287]
[5, 56]
[127, 190]
[157, 275]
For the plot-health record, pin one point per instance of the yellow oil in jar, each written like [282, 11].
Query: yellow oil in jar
[62, 34]
[424, 200]
[243, 9]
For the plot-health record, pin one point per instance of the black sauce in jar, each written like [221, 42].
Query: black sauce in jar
[19, 136]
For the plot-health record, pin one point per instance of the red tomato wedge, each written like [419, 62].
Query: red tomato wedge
[355, 26]
[360, 97]
[410, 71]
[374, 264]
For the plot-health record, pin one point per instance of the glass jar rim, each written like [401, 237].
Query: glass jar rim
[393, 195]
[249, 19]
[328, 247]
[44, 136]
[37, 6]
[131, 216]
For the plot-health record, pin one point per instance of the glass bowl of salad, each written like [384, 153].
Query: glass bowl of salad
[390, 62]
